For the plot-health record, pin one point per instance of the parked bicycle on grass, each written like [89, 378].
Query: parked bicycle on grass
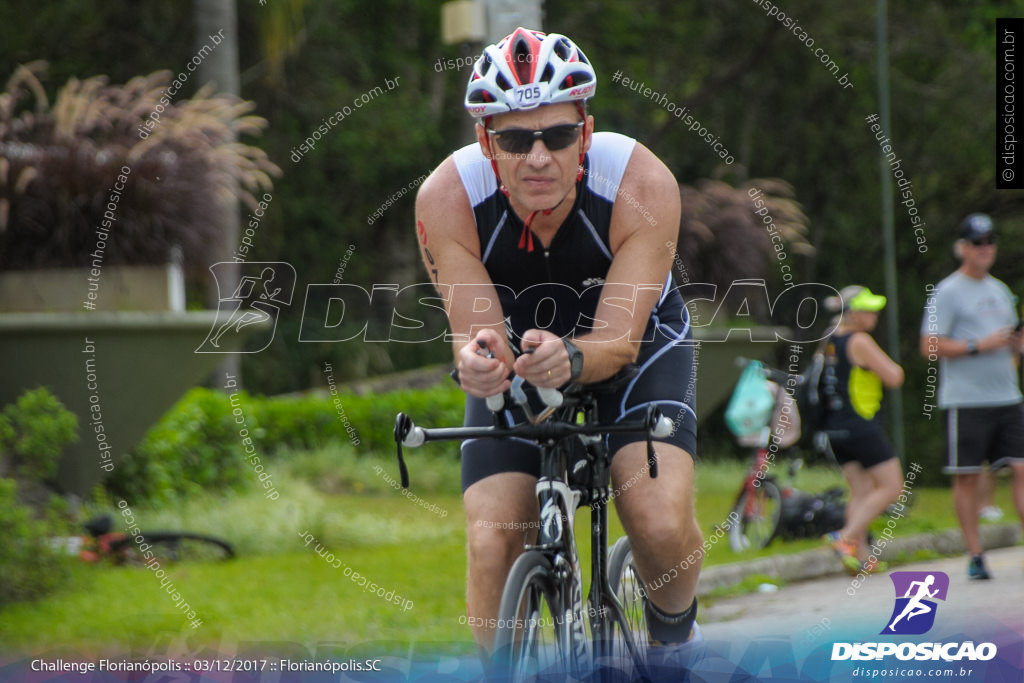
[142, 548]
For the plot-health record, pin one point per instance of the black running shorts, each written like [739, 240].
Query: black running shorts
[864, 443]
[978, 435]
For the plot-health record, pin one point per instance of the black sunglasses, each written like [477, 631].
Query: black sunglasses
[520, 140]
[984, 241]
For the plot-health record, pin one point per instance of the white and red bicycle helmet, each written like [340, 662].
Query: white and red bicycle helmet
[527, 69]
[523, 71]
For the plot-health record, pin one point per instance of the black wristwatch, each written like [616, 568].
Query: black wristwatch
[972, 348]
[575, 360]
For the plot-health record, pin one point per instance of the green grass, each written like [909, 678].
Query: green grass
[280, 590]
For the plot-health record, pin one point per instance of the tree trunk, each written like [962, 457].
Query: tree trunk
[220, 66]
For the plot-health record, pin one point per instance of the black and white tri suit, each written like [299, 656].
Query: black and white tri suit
[558, 289]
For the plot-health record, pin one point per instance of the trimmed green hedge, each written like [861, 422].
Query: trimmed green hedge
[30, 567]
[209, 440]
[33, 433]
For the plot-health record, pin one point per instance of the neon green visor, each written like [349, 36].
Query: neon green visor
[866, 301]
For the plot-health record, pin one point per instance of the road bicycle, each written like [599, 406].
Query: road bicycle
[543, 624]
[765, 508]
[146, 548]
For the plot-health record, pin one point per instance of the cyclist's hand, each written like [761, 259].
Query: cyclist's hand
[479, 375]
[548, 363]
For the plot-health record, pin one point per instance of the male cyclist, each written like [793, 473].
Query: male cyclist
[552, 246]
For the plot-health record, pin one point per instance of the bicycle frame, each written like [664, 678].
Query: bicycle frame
[748, 486]
[559, 502]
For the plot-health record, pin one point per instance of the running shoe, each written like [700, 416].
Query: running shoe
[876, 565]
[977, 570]
[845, 550]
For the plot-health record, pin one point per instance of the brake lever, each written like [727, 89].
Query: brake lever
[403, 425]
[657, 426]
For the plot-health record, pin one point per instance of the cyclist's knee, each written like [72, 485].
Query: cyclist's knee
[668, 531]
[490, 542]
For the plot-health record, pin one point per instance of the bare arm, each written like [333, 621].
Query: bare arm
[864, 352]
[450, 248]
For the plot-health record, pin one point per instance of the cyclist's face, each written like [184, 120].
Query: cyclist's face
[538, 178]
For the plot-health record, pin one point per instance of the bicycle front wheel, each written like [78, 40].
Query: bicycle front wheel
[532, 637]
[167, 547]
[628, 588]
[758, 513]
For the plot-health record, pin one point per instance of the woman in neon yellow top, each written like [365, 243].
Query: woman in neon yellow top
[856, 369]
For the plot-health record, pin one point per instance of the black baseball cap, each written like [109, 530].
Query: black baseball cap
[976, 226]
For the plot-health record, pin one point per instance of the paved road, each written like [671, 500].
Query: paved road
[795, 609]
[763, 631]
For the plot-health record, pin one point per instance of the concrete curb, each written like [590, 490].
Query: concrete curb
[812, 564]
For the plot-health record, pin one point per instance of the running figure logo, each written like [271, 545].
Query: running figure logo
[914, 612]
[263, 288]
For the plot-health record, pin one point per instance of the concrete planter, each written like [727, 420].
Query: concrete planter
[133, 365]
[118, 367]
[115, 288]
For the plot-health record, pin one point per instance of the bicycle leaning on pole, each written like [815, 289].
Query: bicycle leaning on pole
[541, 619]
[767, 507]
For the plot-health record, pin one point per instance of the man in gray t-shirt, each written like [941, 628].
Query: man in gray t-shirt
[969, 327]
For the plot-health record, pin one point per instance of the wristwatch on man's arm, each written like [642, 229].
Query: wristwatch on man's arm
[972, 347]
[575, 360]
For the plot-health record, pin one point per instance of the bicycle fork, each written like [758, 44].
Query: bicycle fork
[558, 503]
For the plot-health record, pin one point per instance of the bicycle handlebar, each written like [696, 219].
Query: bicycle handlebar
[656, 425]
[413, 436]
